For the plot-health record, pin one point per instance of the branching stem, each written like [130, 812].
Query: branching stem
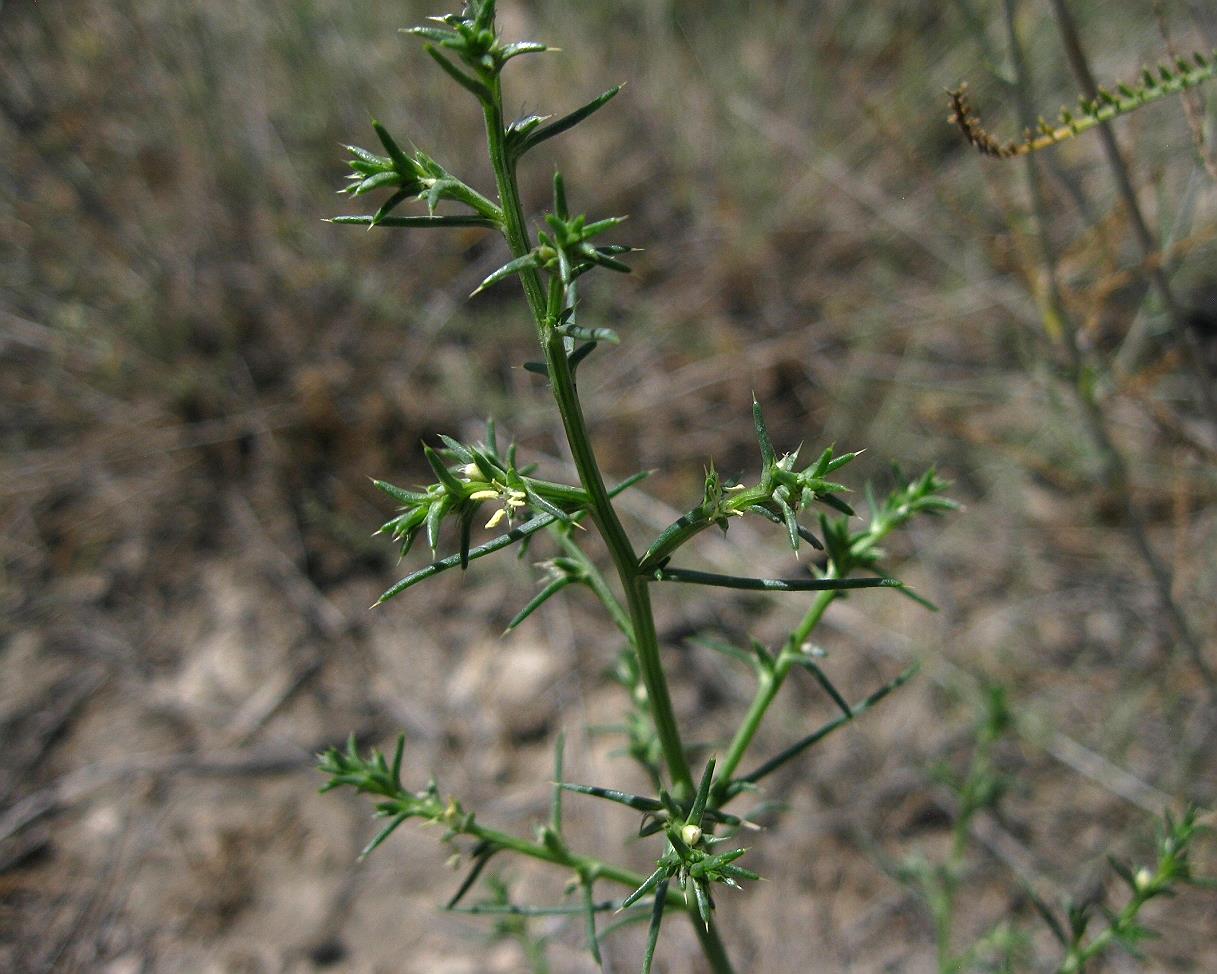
[771, 682]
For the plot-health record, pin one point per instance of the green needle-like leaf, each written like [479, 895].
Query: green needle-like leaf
[791, 522]
[704, 904]
[455, 489]
[400, 159]
[769, 515]
[456, 220]
[443, 564]
[550, 590]
[770, 584]
[566, 122]
[814, 738]
[824, 682]
[835, 502]
[523, 47]
[921, 600]
[389, 205]
[636, 802]
[382, 835]
[661, 899]
[471, 84]
[529, 260]
[435, 518]
[561, 209]
[768, 458]
[407, 498]
[649, 884]
[588, 334]
[703, 793]
[726, 649]
[481, 854]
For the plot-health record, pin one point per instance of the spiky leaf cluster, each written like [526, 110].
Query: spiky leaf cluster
[471, 38]
[779, 496]
[688, 858]
[1171, 870]
[850, 550]
[418, 176]
[469, 479]
[375, 775]
[566, 251]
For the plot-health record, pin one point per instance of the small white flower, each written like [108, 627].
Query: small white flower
[512, 500]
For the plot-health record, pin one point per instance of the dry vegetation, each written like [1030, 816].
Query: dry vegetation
[196, 382]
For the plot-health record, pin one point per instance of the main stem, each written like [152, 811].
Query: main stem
[562, 381]
[625, 560]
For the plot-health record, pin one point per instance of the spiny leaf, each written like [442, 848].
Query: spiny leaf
[568, 121]
[406, 498]
[479, 90]
[661, 899]
[826, 684]
[814, 738]
[768, 458]
[508, 269]
[703, 793]
[456, 220]
[636, 802]
[550, 590]
[770, 584]
[400, 159]
[482, 853]
[648, 884]
[382, 835]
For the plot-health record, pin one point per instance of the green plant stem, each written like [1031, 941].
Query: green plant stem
[711, 945]
[534, 952]
[1078, 955]
[637, 598]
[697, 520]
[769, 685]
[560, 856]
[771, 682]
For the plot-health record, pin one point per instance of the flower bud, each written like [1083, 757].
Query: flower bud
[690, 835]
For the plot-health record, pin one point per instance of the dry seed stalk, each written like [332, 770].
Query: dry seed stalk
[1091, 111]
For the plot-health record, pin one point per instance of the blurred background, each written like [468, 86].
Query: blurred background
[198, 376]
